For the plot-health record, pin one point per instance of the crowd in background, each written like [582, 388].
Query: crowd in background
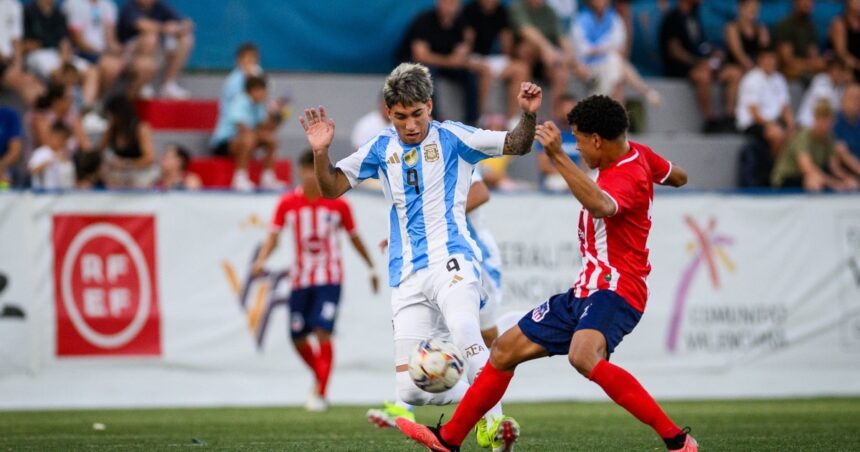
[80, 66]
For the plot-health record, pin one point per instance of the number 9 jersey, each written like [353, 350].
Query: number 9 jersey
[427, 185]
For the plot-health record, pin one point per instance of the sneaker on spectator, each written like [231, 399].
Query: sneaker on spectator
[171, 90]
[269, 181]
[147, 92]
[241, 182]
[93, 123]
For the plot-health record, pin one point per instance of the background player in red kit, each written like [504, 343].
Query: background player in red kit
[607, 299]
[317, 272]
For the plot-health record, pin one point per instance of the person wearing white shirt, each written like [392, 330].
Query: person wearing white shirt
[763, 108]
[50, 167]
[828, 86]
[92, 29]
[369, 126]
[600, 39]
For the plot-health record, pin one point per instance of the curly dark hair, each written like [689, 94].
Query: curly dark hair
[601, 115]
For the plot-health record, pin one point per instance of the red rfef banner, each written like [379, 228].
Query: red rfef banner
[105, 287]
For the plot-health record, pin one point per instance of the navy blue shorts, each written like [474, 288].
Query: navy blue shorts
[552, 324]
[313, 307]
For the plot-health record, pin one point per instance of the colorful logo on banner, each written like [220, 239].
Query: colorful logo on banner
[259, 295]
[708, 249]
[105, 287]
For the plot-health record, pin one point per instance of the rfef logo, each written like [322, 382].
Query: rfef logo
[105, 285]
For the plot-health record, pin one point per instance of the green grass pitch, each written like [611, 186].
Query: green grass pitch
[781, 425]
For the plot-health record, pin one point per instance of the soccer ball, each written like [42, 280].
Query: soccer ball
[436, 365]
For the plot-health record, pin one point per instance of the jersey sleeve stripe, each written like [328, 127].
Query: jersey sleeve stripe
[668, 173]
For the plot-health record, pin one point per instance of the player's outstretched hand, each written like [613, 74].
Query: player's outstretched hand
[549, 137]
[529, 97]
[319, 130]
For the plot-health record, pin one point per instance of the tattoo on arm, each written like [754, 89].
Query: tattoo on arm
[519, 141]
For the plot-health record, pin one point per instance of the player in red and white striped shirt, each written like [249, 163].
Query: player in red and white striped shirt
[608, 298]
[318, 269]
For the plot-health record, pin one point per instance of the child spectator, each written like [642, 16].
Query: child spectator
[242, 129]
[57, 105]
[88, 170]
[247, 65]
[49, 166]
[174, 170]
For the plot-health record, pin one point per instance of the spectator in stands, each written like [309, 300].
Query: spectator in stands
[88, 170]
[437, 38]
[11, 145]
[174, 170]
[764, 110]
[57, 105]
[12, 74]
[247, 65]
[745, 35]
[797, 43]
[847, 128]
[242, 129]
[49, 165]
[566, 12]
[814, 160]
[149, 29]
[828, 86]
[369, 125]
[543, 44]
[47, 46]
[845, 36]
[488, 27]
[550, 179]
[127, 146]
[600, 38]
[687, 54]
[92, 28]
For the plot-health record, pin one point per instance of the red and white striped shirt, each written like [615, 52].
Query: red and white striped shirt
[614, 249]
[315, 224]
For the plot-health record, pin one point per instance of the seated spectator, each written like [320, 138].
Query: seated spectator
[57, 105]
[369, 125]
[242, 129]
[174, 170]
[92, 28]
[47, 46]
[88, 170]
[796, 43]
[815, 161]
[543, 44]
[599, 36]
[826, 86]
[247, 65]
[127, 146]
[550, 179]
[845, 36]
[687, 54]
[437, 39]
[12, 74]
[764, 110]
[745, 35]
[11, 145]
[566, 12]
[488, 27]
[49, 165]
[150, 29]
[847, 128]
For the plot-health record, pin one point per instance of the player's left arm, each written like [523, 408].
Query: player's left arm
[478, 195]
[663, 171]
[519, 141]
[586, 191]
[349, 226]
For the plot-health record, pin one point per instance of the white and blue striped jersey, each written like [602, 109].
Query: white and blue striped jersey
[427, 185]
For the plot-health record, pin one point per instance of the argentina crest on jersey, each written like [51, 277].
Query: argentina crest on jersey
[431, 152]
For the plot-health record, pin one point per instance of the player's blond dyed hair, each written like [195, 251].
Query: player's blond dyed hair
[407, 84]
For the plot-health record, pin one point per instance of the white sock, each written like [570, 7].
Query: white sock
[240, 174]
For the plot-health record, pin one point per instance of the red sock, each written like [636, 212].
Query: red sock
[484, 393]
[626, 391]
[308, 356]
[324, 366]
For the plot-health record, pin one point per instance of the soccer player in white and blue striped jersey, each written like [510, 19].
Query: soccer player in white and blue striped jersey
[425, 168]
